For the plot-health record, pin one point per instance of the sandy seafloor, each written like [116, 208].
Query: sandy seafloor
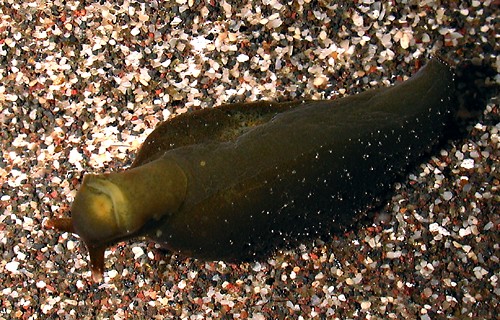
[83, 83]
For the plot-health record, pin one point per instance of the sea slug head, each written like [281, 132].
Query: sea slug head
[112, 207]
[99, 210]
[97, 216]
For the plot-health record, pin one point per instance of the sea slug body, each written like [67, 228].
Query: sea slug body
[239, 180]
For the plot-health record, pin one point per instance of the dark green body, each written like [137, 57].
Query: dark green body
[299, 169]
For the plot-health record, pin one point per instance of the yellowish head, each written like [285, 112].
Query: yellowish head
[98, 211]
[109, 208]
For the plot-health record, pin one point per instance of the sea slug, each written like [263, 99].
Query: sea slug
[232, 182]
